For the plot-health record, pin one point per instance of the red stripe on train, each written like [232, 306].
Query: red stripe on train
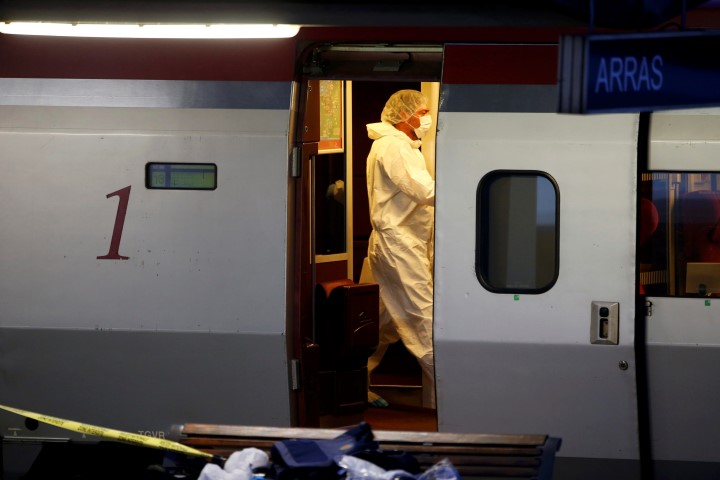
[142, 59]
[253, 60]
[500, 64]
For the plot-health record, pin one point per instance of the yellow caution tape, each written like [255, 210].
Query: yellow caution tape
[120, 436]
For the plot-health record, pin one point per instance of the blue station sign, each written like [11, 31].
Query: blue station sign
[638, 72]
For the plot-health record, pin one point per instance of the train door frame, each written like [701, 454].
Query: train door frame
[347, 63]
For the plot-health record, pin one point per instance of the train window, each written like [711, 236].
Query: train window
[516, 244]
[679, 234]
[330, 210]
[181, 176]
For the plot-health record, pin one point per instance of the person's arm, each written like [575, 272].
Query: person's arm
[409, 173]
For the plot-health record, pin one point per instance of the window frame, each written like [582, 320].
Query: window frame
[482, 231]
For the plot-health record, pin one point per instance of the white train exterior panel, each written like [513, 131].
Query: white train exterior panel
[197, 312]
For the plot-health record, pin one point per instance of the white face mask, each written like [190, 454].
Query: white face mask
[425, 123]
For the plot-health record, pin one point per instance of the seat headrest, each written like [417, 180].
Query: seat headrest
[648, 219]
[328, 287]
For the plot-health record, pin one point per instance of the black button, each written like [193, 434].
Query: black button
[604, 311]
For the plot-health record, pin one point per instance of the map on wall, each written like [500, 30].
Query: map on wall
[331, 116]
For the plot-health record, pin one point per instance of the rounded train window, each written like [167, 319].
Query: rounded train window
[517, 232]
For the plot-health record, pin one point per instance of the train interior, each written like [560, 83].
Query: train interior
[342, 228]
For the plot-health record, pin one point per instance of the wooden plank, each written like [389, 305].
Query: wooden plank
[380, 435]
[486, 456]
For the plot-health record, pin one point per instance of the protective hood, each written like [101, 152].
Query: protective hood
[383, 129]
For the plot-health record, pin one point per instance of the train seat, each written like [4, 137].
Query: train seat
[649, 220]
[347, 332]
[347, 322]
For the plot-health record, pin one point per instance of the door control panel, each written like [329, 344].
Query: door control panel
[604, 318]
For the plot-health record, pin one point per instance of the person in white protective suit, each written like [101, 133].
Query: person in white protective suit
[401, 193]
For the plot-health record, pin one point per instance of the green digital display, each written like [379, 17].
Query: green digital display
[181, 176]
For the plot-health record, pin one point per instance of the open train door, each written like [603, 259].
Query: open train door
[535, 262]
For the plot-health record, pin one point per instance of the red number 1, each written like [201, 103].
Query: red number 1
[113, 253]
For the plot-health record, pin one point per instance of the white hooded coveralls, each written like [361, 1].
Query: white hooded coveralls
[401, 193]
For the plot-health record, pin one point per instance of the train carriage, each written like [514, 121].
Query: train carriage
[167, 223]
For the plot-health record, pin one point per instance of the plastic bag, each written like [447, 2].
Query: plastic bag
[358, 469]
[239, 466]
[443, 470]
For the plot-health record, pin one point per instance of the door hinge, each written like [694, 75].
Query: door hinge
[295, 374]
[296, 162]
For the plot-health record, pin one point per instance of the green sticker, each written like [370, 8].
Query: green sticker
[516, 297]
[707, 303]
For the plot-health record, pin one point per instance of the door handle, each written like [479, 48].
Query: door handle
[604, 319]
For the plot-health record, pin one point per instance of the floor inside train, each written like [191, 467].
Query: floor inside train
[397, 379]
[402, 417]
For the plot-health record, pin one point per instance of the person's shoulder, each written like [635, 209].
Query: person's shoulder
[396, 148]
[394, 141]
